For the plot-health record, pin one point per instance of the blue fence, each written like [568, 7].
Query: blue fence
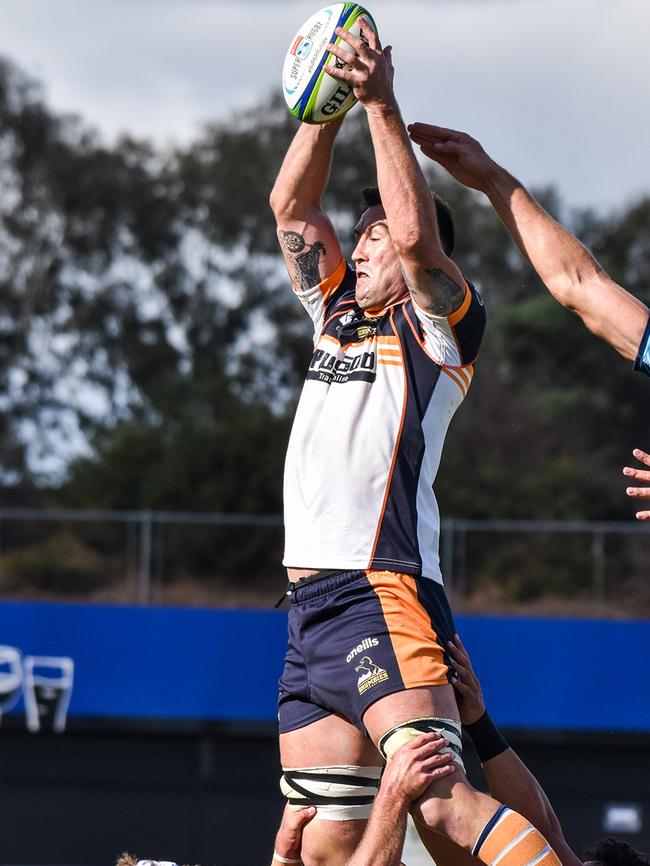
[148, 663]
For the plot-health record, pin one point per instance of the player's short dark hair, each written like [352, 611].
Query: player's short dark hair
[613, 852]
[446, 228]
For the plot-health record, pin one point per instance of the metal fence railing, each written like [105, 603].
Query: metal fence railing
[161, 556]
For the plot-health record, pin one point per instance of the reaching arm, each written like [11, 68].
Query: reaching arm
[566, 267]
[307, 238]
[407, 776]
[509, 779]
[432, 278]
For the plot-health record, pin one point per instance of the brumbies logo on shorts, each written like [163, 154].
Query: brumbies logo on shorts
[369, 673]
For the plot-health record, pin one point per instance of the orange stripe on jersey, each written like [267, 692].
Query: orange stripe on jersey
[325, 338]
[330, 284]
[505, 831]
[387, 363]
[420, 657]
[455, 317]
[455, 378]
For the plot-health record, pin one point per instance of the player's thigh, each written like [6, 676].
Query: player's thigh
[415, 703]
[329, 742]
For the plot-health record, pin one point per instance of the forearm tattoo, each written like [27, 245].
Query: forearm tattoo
[305, 257]
[449, 295]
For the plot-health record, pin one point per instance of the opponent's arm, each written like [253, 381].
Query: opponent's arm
[639, 475]
[408, 774]
[433, 279]
[307, 238]
[509, 779]
[566, 267]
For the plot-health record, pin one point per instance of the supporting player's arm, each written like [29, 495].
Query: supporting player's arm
[408, 774]
[433, 279]
[307, 238]
[566, 267]
[509, 779]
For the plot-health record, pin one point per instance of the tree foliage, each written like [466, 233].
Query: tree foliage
[151, 353]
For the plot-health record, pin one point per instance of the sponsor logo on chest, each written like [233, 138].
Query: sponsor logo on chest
[327, 367]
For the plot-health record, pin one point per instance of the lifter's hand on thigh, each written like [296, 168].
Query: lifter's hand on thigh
[417, 764]
[288, 842]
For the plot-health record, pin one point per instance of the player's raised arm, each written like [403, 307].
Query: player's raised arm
[307, 238]
[433, 279]
[567, 268]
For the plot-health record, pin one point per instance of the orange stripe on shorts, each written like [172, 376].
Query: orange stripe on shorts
[419, 656]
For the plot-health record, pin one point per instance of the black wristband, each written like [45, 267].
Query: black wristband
[487, 738]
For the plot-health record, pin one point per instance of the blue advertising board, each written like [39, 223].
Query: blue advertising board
[154, 663]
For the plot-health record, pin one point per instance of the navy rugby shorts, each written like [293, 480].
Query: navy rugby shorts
[357, 636]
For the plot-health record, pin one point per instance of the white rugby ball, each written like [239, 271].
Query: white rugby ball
[311, 94]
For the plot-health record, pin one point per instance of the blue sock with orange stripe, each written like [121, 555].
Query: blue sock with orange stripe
[509, 839]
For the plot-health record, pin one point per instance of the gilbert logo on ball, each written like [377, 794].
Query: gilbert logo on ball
[311, 94]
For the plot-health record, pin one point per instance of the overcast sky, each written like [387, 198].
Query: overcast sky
[557, 90]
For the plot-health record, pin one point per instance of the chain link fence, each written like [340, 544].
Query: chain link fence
[156, 557]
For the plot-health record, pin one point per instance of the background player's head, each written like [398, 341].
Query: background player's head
[612, 852]
[380, 280]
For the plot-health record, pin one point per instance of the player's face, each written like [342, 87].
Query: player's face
[380, 281]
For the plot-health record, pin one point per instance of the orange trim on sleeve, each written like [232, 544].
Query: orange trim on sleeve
[330, 284]
[455, 317]
[504, 832]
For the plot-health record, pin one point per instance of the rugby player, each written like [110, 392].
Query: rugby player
[394, 346]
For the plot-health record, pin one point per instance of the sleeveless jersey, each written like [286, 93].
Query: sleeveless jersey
[369, 429]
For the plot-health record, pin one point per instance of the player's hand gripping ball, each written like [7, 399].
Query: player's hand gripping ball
[311, 94]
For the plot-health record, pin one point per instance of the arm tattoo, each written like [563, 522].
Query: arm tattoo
[304, 256]
[448, 295]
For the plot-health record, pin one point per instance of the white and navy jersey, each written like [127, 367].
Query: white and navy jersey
[369, 429]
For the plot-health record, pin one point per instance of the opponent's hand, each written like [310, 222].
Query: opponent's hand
[370, 71]
[639, 475]
[468, 688]
[460, 154]
[288, 840]
[417, 764]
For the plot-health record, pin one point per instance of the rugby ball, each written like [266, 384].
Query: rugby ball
[311, 94]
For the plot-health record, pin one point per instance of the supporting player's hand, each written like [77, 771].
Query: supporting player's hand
[417, 764]
[460, 154]
[370, 68]
[288, 840]
[468, 688]
[639, 475]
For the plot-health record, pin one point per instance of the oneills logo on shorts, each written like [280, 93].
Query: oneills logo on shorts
[370, 674]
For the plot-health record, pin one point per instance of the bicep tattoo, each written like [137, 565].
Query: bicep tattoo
[448, 295]
[305, 258]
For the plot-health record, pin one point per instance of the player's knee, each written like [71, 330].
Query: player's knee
[339, 793]
[331, 843]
